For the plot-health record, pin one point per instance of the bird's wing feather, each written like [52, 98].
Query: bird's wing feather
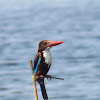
[36, 62]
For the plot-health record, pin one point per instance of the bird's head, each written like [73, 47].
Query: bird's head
[47, 44]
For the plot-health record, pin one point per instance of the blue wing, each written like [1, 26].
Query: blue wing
[36, 63]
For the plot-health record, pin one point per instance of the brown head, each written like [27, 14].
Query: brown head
[47, 44]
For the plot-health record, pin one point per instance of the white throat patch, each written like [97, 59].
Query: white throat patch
[47, 56]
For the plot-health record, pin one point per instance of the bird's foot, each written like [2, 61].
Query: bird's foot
[49, 77]
[41, 77]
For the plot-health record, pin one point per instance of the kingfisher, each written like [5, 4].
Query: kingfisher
[42, 63]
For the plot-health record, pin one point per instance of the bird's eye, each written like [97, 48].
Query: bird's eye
[45, 43]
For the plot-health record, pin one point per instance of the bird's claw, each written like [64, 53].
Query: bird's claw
[48, 77]
[41, 77]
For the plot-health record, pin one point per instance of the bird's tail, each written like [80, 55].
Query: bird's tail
[43, 90]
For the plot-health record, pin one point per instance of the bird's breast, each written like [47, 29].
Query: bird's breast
[47, 57]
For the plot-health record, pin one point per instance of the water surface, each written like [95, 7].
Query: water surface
[24, 23]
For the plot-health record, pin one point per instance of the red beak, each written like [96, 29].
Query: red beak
[54, 43]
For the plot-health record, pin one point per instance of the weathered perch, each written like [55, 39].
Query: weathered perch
[33, 80]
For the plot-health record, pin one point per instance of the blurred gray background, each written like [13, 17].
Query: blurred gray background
[24, 23]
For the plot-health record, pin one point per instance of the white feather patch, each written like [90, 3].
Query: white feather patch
[47, 56]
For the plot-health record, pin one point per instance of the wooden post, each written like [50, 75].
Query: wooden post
[33, 80]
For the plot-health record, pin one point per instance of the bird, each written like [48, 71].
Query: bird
[42, 63]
